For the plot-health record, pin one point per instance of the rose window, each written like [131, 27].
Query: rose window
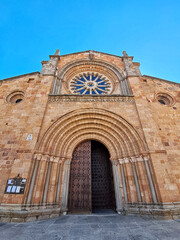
[90, 83]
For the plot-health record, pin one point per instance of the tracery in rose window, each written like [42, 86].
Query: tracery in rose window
[90, 83]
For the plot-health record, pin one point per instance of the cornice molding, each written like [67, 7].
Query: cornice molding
[89, 98]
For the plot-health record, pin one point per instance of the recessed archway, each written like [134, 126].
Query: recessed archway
[126, 150]
[113, 131]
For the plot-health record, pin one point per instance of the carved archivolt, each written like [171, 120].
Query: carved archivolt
[115, 75]
[108, 67]
[120, 138]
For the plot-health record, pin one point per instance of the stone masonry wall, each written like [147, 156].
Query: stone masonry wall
[161, 124]
[16, 122]
[157, 124]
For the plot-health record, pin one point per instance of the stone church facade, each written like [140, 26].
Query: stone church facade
[89, 132]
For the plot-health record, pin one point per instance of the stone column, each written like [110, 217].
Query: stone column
[53, 90]
[47, 182]
[128, 91]
[58, 86]
[65, 186]
[133, 159]
[117, 184]
[33, 178]
[153, 192]
[121, 161]
[59, 182]
[122, 87]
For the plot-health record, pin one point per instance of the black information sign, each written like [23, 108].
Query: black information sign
[15, 185]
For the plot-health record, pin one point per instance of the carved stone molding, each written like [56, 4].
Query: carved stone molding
[37, 156]
[50, 67]
[118, 72]
[132, 68]
[67, 161]
[110, 70]
[133, 159]
[88, 98]
[115, 162]
[48, 158]
[45, 158]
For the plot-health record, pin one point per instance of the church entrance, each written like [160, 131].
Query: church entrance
[91, 180]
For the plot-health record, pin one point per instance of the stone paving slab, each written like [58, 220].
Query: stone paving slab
[93, 227]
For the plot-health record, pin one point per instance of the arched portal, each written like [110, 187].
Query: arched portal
[91, 180]
[128, 155]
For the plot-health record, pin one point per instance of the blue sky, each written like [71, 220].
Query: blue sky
[148, 30]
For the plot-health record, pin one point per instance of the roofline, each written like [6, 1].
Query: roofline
[164, 80]
[95, 52]
[23, 75]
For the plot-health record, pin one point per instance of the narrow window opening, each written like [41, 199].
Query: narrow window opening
[18, 100]
[162, 101]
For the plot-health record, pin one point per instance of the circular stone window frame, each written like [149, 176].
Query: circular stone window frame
[87, 86]
[166, 98]
[14, 96]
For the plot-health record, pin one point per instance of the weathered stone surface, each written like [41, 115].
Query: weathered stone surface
[130, 122]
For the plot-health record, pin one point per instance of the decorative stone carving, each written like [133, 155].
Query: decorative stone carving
[77, 63]
[115, 162]
[50, 67]
[67, 72]
[133, 159]
[57, 52]
[89, 98]
[91, 83]
[91, 54]
[132, 68]
[38, 156]
[45, 158]
[125, 54]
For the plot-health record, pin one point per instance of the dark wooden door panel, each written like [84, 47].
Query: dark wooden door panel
[80, 179]
[102, 179]
[91, 180]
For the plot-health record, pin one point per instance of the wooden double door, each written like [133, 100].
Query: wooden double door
[91, 180]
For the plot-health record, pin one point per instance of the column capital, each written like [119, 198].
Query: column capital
[133, 159]
[146, 158]
[67, 161]
[56, 159]
[37, 156]
[126, 160]
[115, 162]
[121, 161]
[45, 158]
[51, 158]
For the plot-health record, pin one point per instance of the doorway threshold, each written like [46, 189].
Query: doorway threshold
[96, 212]
[103, 212]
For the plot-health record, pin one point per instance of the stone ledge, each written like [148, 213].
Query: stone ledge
[88, 98]
[28, 215]
[156, 211]
[34, 213]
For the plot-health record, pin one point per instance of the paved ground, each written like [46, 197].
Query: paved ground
[95, 227]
